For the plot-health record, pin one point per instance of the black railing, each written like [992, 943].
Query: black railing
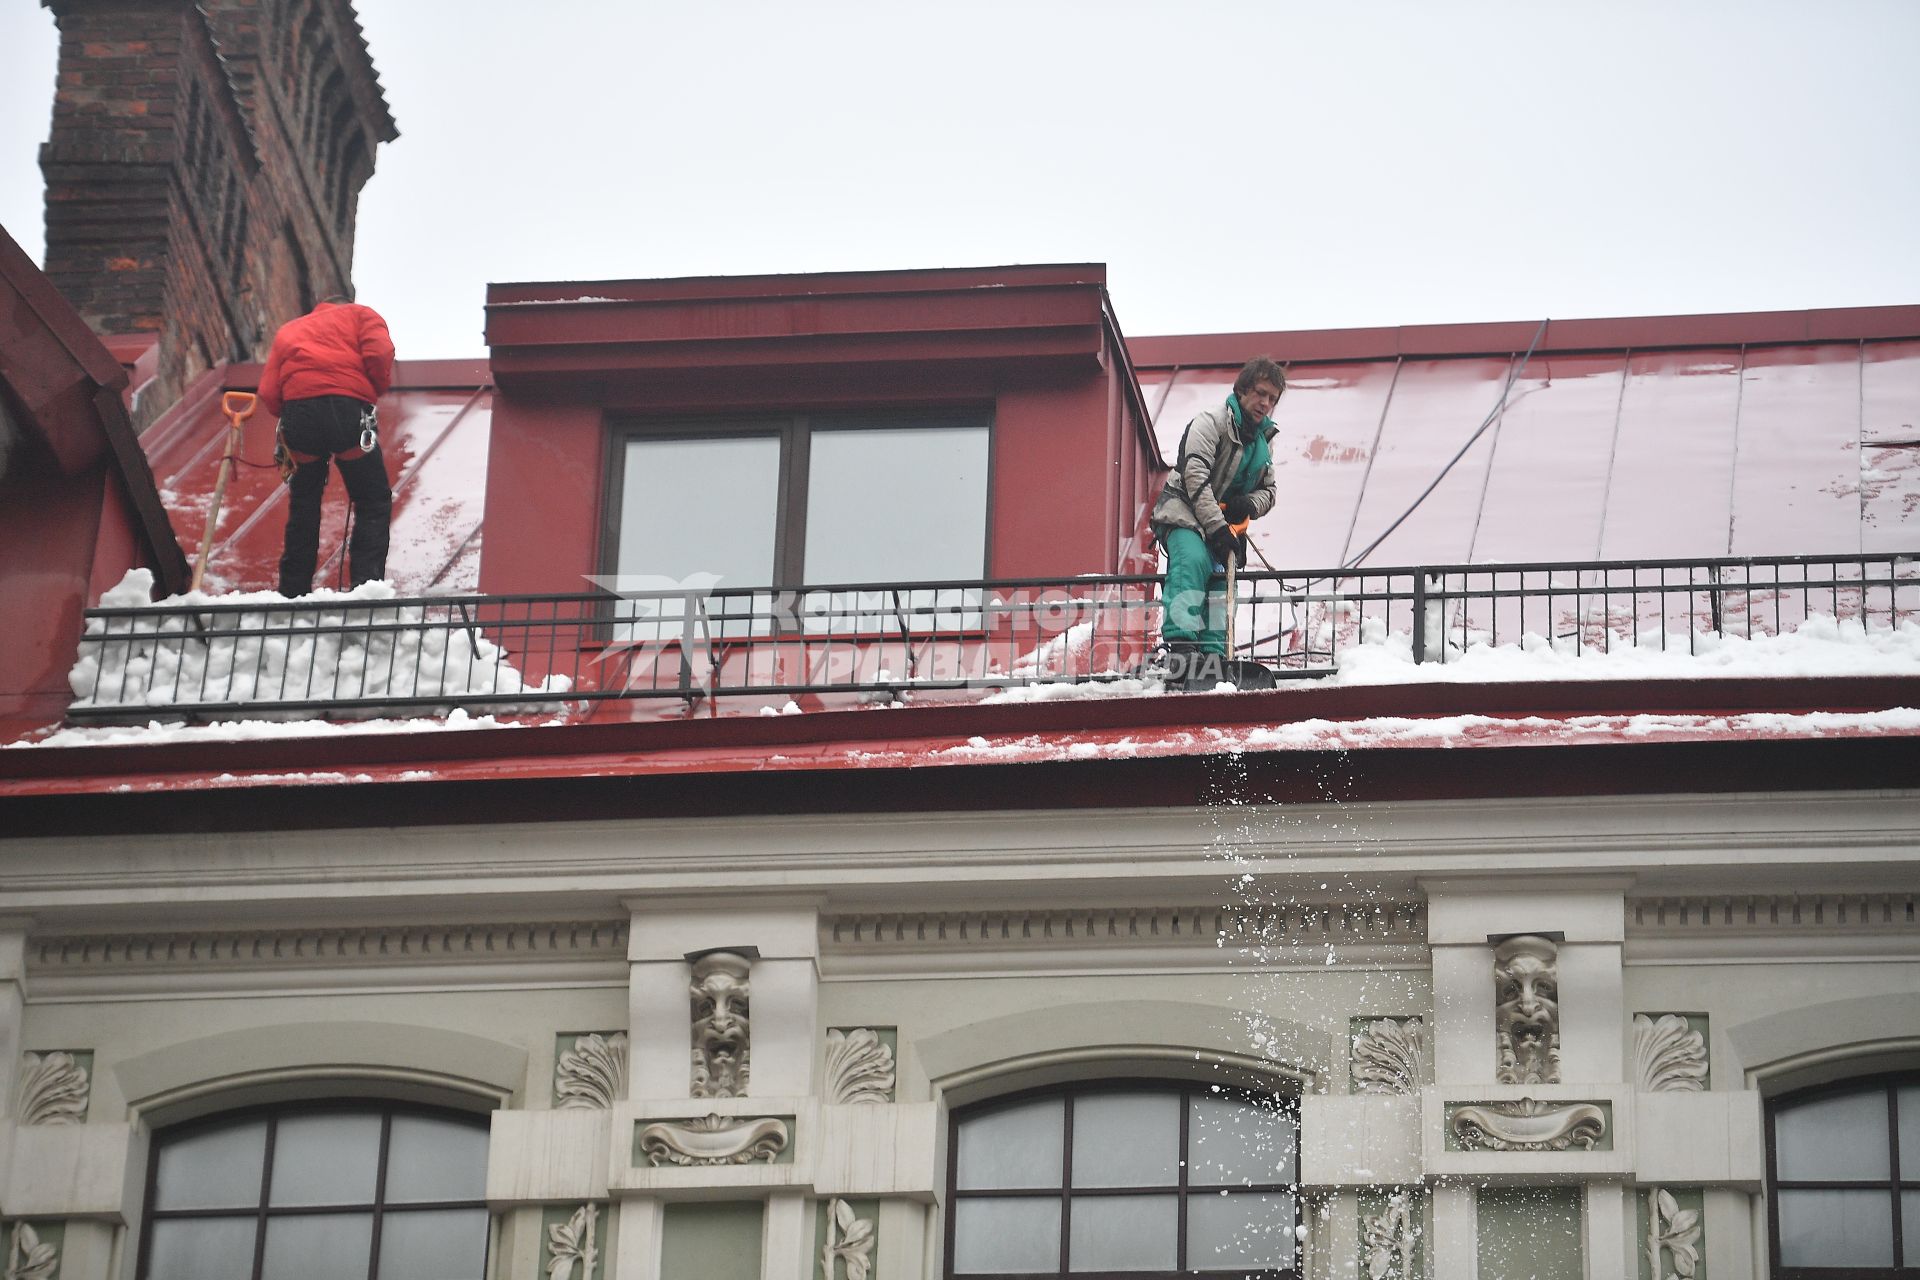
[878, 642]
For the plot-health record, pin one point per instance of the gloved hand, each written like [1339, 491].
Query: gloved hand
[1222, 544]
[1238, 509]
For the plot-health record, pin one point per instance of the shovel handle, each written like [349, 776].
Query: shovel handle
[238, 405]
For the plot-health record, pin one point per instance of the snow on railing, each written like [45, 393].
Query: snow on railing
[258, 653]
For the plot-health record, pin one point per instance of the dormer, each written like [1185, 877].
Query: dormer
[904, 426]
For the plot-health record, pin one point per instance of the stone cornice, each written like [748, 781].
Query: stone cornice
[1838, 914]
[332, 948]
[1293, 924]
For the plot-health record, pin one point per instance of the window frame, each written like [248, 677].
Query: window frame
[794, 432]
[1066, 1192]
[262, 1213]
[1888, 1084]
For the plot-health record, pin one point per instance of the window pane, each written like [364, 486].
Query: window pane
[897, 504]
[699, 507]
[1910, 1227]
[1006, 1234]
[1126, 1140]
[201, 1249]
[318, 1246]
[325, 1159]
[217, 1169]
[435, 1244]
[1239, 1229]
[1836, 1229]
[1839, 1138]
[433, 1159]
[1234, 1142]
[1015, 1147]
[1124, 1233]
[1910, 1133]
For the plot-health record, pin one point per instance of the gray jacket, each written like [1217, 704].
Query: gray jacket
[1209, 455]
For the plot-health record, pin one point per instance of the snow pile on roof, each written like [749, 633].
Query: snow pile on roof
[177, 730]
[264, 656]
[1819, 646]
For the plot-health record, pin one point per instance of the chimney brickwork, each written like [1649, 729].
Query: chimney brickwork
[204, 169]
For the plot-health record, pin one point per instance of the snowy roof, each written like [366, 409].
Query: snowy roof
[1667, 439]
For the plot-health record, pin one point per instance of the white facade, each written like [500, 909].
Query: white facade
[992, 953]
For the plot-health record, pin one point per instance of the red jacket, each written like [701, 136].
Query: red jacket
[336, 349]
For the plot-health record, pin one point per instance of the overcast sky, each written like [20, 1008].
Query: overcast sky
[1239, 166]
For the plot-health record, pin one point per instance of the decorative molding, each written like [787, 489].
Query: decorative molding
[850, 1239]
[398, 944]
[1674, 1232]
[1390, 1239]
[1389, 1055]
[571, 1243]
[54, 1088]
[1832, 913]
[592, 1075]
[1526, 982]
[1668, 1055]
[1527, 1125]
[1293, 924]
[713, 1139]
[722, 1034]
[859, 1066]
[29, 1257]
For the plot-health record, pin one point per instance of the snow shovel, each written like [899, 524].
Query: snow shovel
[1244, 674]
[239, 406]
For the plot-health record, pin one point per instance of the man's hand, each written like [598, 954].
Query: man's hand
[1238, 509]
[1226, 548]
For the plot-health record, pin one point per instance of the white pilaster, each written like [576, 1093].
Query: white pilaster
[1593, 1018]
[1453, 1251]
[13, 1001]
[1463, 1035]
[901, 1252]
[786, 1237]
[1608, 1228]
[642, 1220]
[1734, 1230]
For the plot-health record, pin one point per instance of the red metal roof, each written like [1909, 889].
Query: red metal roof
[1774, 433]
[434, 437]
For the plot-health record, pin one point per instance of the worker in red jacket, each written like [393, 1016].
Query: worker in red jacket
[324, 373]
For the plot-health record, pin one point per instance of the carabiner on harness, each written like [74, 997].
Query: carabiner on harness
[369, 430]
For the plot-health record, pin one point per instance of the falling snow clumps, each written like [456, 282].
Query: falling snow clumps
[249, 652]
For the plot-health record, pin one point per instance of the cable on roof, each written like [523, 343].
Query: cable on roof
[1492, 417]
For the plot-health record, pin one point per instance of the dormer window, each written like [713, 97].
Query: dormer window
[801, 499]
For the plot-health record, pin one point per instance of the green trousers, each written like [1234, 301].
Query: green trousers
[1192, 615]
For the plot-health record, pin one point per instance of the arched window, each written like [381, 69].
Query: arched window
[1844, 1164]
[1142, 1178]
[353, 1191]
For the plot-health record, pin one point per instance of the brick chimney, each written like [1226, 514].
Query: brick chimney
[204, 170]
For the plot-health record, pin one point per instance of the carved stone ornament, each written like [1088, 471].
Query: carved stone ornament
[27, 1257]
[850, 1239]
[859, 1066]
[714, 1140]
[1388, 1239]
[53, 1089]
[1673, 1231]
[1668, 1056]
[570, 1244]
[721, 1047]
[1529, 1125]
[1390, 1056]
[592, 1074]
[1526, 979]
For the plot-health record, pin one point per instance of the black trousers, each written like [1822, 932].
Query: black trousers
[324, 426]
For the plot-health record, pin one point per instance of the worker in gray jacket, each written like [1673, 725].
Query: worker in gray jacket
[1222, 479]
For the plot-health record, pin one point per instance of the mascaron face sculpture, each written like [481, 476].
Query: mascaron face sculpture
[720, 1030]
[1527, 1016]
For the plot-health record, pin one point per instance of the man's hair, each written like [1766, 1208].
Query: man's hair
[1260, 369]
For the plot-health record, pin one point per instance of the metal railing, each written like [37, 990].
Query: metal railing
[875, 643]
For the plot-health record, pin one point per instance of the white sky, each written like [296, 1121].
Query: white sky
[1238, 165]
